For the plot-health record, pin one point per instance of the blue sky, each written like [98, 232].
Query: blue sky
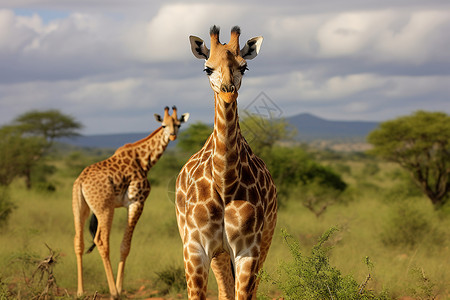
[113, 64]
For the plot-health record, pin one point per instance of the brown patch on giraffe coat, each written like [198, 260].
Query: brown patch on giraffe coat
[204, 188]
[219, 164]
[201, 215]
[198, 173]
[230, 175]
[198, 280]
[241, 193]
[231, 116]
[215, 212]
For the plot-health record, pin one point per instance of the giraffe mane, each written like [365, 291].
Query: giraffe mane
[130, 145]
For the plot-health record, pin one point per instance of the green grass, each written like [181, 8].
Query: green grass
[419, 271]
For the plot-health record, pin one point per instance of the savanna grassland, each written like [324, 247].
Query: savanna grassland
[382, 216]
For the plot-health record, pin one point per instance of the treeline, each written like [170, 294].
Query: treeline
[420, 143]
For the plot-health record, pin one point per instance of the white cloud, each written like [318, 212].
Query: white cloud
[303, 87]
[165, 37]
[417, 86]
[398, 36]
[116, 93]
[94, 60]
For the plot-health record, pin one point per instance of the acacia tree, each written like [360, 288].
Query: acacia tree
[27, 139]
[17, 153]
[263, 133]
[420, 143]
[49, 124]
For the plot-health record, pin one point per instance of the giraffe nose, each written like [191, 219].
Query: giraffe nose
[227, 88]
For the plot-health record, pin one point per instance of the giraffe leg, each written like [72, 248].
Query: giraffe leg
[265, 245]
[221, 266]
[105, 218]
[244, 238]
[246, 279]
[196, 265]
[80, 214]
[134, 212]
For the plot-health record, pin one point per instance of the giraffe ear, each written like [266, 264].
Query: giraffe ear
[158, 118]
[198, 47]
[184, 118]
[251, 48]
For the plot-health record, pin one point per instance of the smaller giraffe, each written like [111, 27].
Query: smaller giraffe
[119, 181]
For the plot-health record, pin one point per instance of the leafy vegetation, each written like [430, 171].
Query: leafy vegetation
[194, 137]
[388, 220]
[313, 277]
[296, 172]
[172, 279]
[6, 206]
[27, 140]
[420, 143]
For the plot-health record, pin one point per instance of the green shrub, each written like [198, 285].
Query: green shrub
[407, 226]
[6, 206]
[370, 169]
[292, 168]
[172, 278]
[312, 277]
[423, 287]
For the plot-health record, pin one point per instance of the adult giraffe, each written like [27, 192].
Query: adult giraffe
[119, 181]
[225, 197]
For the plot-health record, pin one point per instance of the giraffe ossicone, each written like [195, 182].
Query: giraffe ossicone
[119, 181]
[226, 201]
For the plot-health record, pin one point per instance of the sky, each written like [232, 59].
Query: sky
[113, 64]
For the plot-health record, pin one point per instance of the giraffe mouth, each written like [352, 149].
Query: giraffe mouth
[172, 137]
[228, 97]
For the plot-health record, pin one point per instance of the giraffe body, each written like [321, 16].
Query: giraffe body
[225, 197]
[119, 181]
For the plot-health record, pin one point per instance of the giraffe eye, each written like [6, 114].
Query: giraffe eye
[163, 126]
[243, 69]
[208, 70]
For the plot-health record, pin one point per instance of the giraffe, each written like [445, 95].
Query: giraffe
[226, 203]
[119, 181]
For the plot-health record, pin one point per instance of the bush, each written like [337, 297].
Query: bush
[293, 169]
[407, 227]
[6, 206]
[173, 279]
[313, 277]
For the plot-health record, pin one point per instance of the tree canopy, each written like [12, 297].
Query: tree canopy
[420, 143]
[194, 137]
[25, 141]
[49, 124]
[295, 172]
[16, 153]
[263, 134]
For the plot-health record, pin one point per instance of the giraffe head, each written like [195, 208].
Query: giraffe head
[225, 63]
[171, 123]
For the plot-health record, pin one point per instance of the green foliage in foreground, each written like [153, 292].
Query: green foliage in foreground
[312, 277]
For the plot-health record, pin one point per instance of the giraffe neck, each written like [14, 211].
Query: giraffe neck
[226, 146]
[149, 150]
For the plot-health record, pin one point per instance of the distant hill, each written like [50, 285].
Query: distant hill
[309, 128]
[113, 141]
